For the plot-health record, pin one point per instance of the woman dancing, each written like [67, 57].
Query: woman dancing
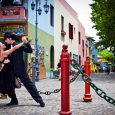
[7, 80]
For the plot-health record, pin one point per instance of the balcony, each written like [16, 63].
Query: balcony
[14, 14]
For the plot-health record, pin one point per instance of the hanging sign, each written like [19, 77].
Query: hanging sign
[18, 29]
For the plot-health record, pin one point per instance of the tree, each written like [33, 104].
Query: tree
[106, 54]
[103, 17]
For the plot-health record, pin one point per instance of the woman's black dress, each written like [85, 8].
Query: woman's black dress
[7, 79]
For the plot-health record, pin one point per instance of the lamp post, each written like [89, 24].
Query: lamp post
[38, 10]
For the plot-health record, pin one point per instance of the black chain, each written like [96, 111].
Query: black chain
[88, 80]
[99, 91]
[73, 73]
[49, 92]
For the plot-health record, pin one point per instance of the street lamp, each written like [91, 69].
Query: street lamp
[38, 9]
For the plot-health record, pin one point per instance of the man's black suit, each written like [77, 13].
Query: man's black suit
[20, 71]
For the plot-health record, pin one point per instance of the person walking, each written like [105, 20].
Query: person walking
[59, 69]
[108, 70]
[19, 70]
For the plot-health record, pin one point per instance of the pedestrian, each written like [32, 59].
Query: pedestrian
[7, 80]
[108, 70]
[59, 69]
[19, 70]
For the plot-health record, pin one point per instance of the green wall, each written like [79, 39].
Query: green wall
[45, 40]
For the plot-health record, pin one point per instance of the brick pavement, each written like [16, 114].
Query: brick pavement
[98, 106]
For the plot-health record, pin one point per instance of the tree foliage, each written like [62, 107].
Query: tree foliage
[106, 54]
[103, 17]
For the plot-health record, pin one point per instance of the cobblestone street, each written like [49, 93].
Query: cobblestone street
[98, 106]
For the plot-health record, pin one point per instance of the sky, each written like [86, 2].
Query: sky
[84, 13]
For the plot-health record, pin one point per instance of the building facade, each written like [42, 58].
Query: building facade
[65, 29]
[93, 53]
[13, 18]
[58, 27]
[45, 31]
[83, 44]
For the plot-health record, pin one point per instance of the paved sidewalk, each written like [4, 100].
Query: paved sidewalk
[98, 106]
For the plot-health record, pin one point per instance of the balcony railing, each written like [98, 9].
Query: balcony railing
[13, 14]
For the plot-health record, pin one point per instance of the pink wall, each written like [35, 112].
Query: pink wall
[81, 29]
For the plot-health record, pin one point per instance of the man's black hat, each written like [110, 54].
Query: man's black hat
[13, 36]
[7, 35]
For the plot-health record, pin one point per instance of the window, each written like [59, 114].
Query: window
[86, 51]
[79, 37]
[70, 31]
[52, 57]
[62, 23]
[51, 15]
[74, 30]
[83, 47]
[70, 54]
[79, 59]
[63, 33]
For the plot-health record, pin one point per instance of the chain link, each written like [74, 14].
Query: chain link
[88, 80]
[49, 92]
[102, 94]
[73, 73]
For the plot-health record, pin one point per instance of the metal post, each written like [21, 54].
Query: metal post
[38, 10]
[36, 44]
[65, 92]
[87, 96]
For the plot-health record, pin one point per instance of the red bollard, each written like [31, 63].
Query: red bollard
[65, 92]
[87, 96]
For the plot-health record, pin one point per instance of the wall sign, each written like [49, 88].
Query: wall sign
[75, 57]
[18, 29]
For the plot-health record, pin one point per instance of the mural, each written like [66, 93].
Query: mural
[41, 55]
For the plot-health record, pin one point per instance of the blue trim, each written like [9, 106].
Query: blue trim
[14, 19]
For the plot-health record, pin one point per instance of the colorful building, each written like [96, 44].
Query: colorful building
[58, 27]
[13, 18]
[45, 32]
[93, 53]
